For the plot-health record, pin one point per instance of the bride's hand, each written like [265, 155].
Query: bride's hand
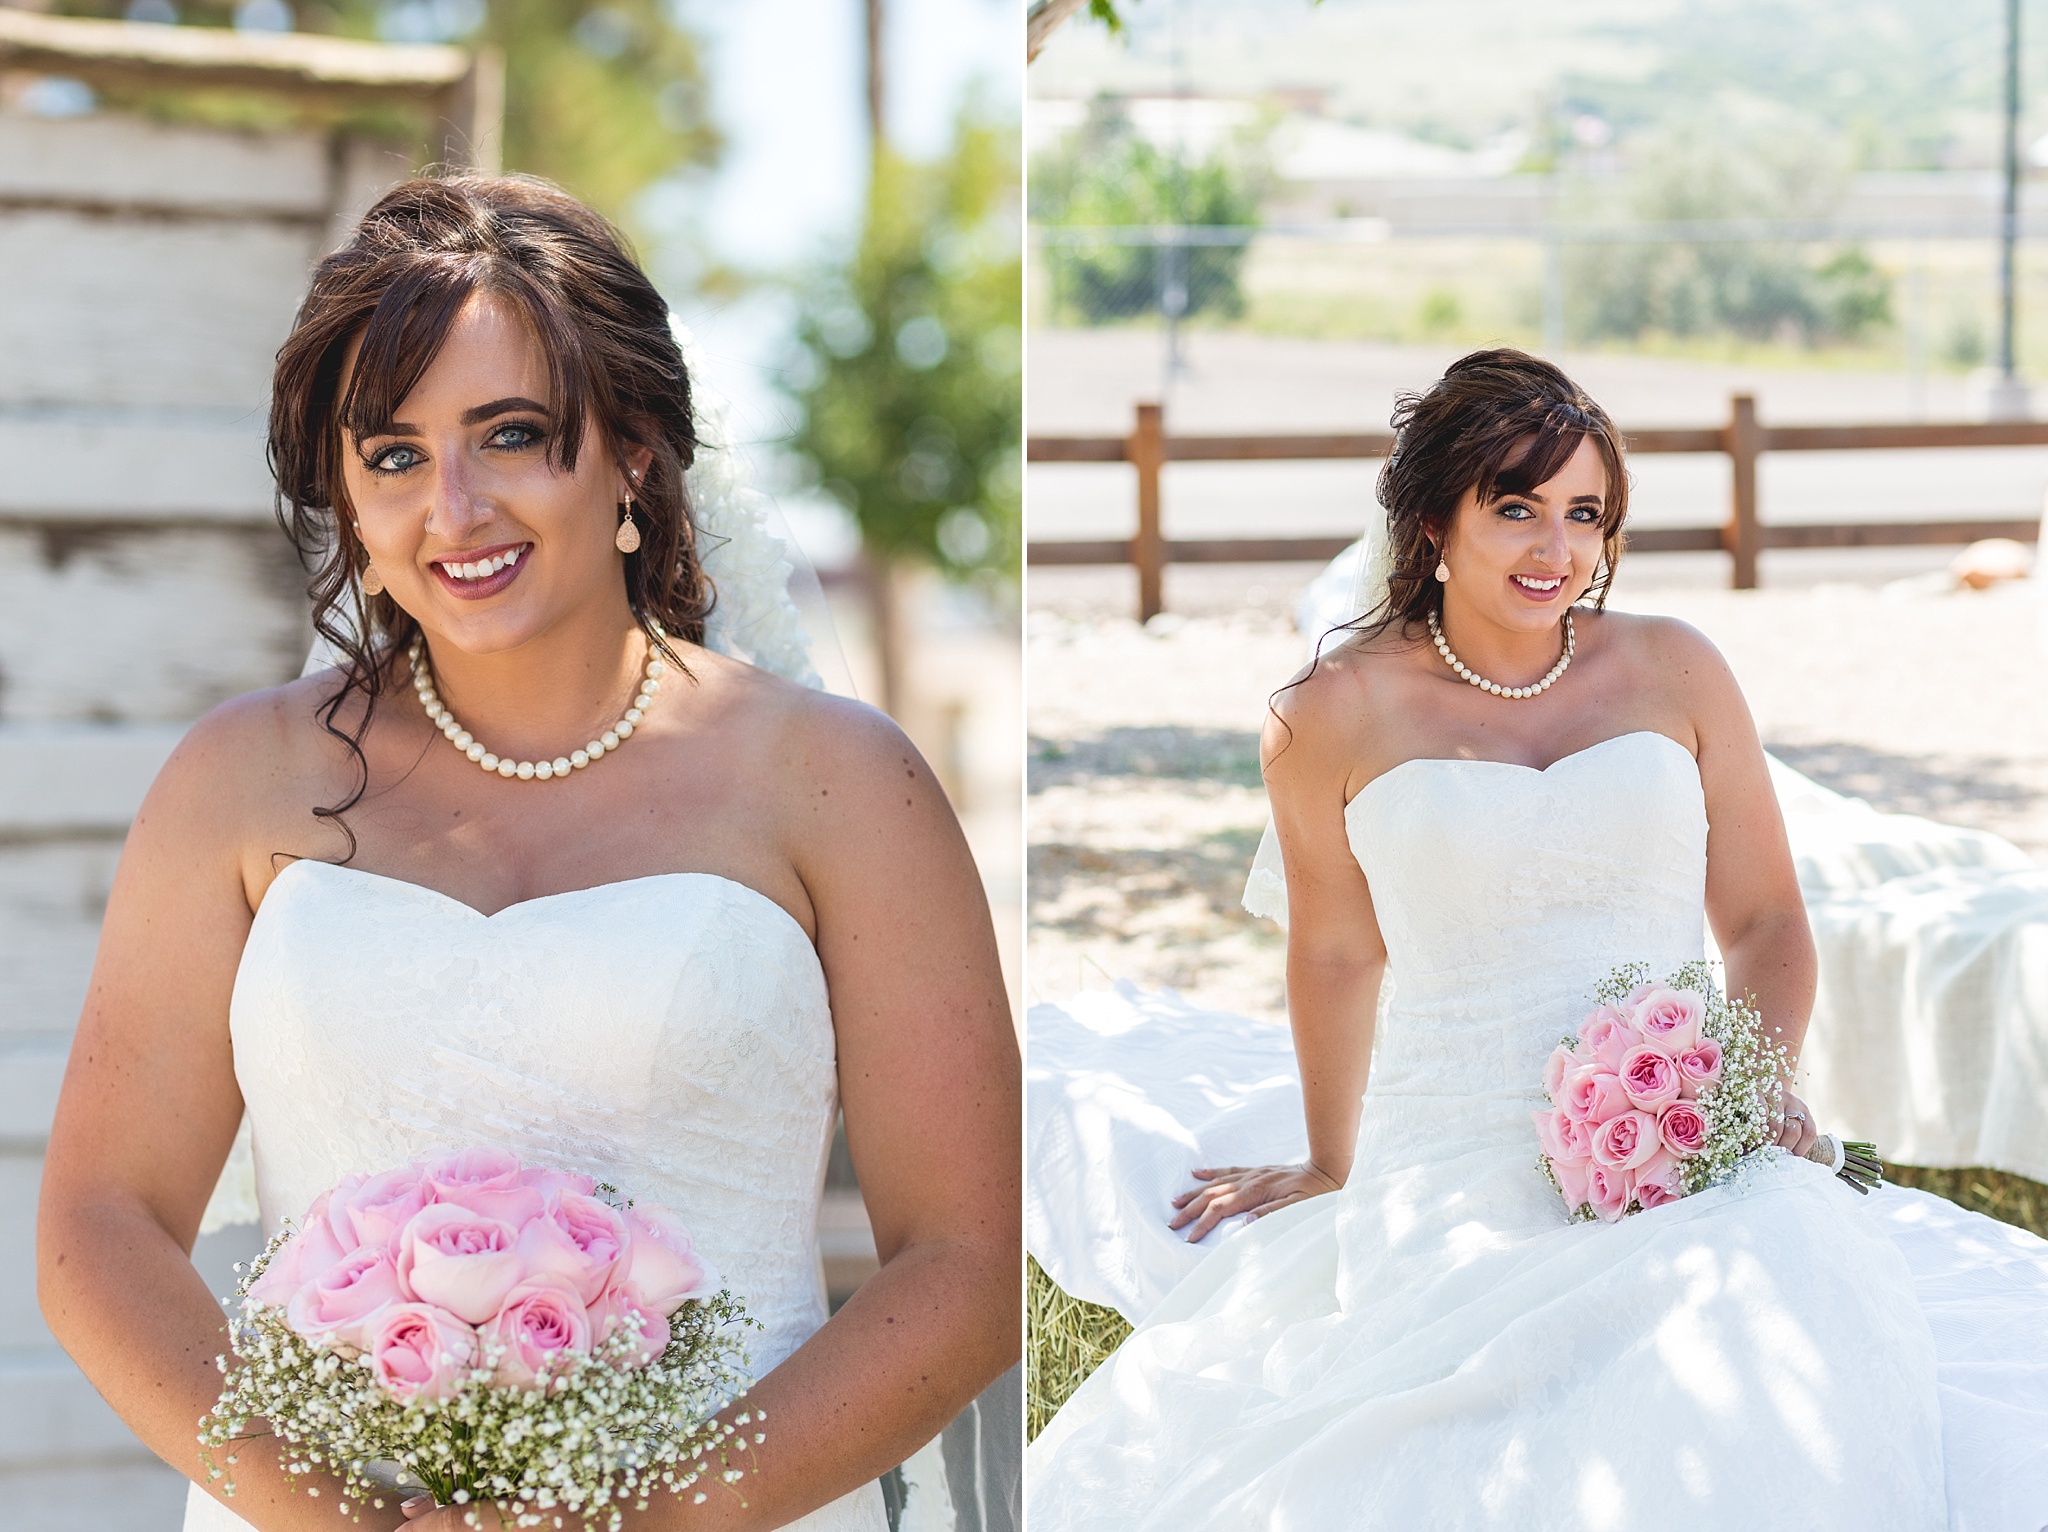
[1256, 1189]
[1796, 1130]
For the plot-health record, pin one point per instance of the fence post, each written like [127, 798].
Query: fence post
[1146, 450]
[1742, 440]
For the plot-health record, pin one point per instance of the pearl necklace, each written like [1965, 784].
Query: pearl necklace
[1474, 679]
[529, 771]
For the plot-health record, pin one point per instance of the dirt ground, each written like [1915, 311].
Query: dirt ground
[1145, 804]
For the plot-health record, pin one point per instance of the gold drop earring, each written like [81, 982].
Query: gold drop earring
[1443, 572]
[628, 538]
[373, 582]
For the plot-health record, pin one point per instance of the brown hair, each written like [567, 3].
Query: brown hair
[415, 260]
[1501, 421]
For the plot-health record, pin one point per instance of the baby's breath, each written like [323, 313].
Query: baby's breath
[1742, 1108]
[595, 1437]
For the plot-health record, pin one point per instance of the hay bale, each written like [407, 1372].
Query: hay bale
[1065, 1340]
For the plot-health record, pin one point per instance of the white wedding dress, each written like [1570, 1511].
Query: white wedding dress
[1436, 1347]
[668, 1034]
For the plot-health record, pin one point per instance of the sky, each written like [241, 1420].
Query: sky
[788, 91]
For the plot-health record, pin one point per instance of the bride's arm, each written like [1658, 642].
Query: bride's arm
[930, 1082]
[1753, 900]
[1335, 957]
[148, 1110]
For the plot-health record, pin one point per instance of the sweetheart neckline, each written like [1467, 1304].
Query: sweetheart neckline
[1540, 771]
[524, 904]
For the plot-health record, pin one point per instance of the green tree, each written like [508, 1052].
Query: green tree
[1107, 177]
[910, 371]
[1744, 159]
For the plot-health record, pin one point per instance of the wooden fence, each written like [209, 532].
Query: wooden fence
[1743, 438]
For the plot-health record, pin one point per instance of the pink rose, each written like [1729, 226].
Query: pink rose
[485, 1181]
[375, 1208]
[419, 1352]
[1649, 1078]
[1699, 1068]
[1671, 1018]
[541, 1323]
[1609, 1038]
[1638, 995]
[1571, 1180]
[550, 1182]
[1625, 1141]
[1682, 1129]
[663, 1266]
[620, 1308]
[1608, 1191]
[306, 1255]
[579, 1239]
[1593, 1095]
[1555, 1068]
[1660, 1179]
[1546, 1133]
[1574, 1137]
[332, 1309]
[460, 1260]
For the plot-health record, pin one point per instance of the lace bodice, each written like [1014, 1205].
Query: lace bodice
[1497, 925]
[670, 1035]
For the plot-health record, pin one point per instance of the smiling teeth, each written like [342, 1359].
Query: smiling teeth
[1531, 583]
[483, 568]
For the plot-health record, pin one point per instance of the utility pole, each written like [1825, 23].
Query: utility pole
[2008, 394]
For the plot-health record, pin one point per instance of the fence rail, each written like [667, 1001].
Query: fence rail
[1742, 536]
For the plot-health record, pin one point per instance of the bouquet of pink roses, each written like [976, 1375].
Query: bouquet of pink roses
[486, 1331]
[1665, 1091]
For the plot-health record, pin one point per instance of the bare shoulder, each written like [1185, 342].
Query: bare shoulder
[1641, 636]
[242, 773]
[1678, 664]
[828, 755]
[1331, 703]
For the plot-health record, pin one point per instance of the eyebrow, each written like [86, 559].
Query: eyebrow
[472, 417]
[1592, 500]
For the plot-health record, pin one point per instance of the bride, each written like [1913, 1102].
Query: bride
[1492, 793]
[664, 957]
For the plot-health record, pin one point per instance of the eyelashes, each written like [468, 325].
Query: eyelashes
[513, 436]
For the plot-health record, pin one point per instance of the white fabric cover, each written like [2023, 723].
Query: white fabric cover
[1930, 1029]
[669, 1035]
[1435, 1345]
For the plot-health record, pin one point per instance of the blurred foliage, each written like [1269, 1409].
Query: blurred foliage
[601, 98]
[1904, 84]
[909, 365]
[1107, 176]
[1748, 161]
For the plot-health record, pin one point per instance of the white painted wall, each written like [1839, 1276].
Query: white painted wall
[148, 274]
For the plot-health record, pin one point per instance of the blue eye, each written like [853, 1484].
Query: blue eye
[393, 460]
[514, 436]
[1585, 513]
[1515, 512]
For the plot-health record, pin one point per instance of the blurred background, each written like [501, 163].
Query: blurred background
[1270, 214]
[827, 191]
